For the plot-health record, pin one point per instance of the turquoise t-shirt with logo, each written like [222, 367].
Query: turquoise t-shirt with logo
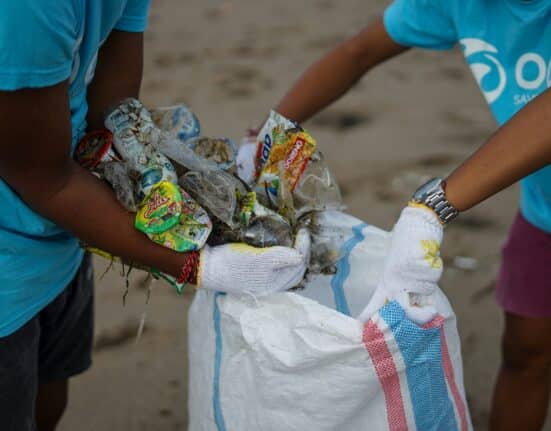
[43, 43]
[507, 44]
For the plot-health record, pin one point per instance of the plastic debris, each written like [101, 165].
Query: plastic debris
[465, 263]
[133, 135]
[192, 230]
[116, 174]
[185, 190]
[259, 226]
[221, 151]
[177, 121]
[326, 232]
[95, 148]
[216, 191]
[161, 210]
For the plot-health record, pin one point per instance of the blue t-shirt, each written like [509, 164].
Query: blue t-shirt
[43, 43]
[507, 44]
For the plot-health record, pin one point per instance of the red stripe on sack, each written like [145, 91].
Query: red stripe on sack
[375, 344]
[438, 322]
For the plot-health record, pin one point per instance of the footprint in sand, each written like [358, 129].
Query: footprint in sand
[167, 60]
[475, 222]
[483, 293]
[451, 73]
[464, 129]
[117, 336]
[326, 5]
[253, 50]
[324, 42]
[340, 121]
[219, 11]
[241, 81]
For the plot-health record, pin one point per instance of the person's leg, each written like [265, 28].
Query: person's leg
[51, 403]
[19, 378]
[521, 394]
[65, 346]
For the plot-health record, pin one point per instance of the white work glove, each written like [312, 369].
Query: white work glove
[240, 268]
[413, 266]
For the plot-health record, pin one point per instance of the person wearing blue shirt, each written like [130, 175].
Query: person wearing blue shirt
[63, 64]
[506, 43]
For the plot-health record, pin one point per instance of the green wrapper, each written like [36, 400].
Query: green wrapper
[160, 210]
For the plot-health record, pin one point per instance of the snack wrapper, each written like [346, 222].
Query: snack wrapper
[272, 128]
[248, 203]
[288, 158]
[192, 230]
[161, 210]
[95, 148]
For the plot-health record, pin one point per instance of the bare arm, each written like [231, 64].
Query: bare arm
[35, 125]
[337, 72]
[517, 149]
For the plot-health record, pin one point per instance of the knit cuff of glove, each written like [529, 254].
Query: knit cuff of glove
[425, 208]
[422, 216]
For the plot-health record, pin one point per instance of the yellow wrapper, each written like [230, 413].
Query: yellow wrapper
[287, 160]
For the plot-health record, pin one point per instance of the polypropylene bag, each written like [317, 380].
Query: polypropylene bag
[299, 361]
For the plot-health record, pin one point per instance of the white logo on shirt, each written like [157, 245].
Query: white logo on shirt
[487, 63]
[481, 70]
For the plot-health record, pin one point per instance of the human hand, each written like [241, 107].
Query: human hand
[413, 266]
[240, 268]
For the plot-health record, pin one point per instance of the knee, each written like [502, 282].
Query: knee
[526, 354]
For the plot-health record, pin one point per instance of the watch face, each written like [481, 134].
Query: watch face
[427, 189]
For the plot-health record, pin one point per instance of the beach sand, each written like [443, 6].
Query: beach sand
[415, 117]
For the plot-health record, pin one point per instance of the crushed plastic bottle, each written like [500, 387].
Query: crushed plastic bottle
[133, 134]
[221, 151]
[268, 230]
[182, 155]
[259, 226]
[326, 231]
[178, 121]
[316, 190]
[216, 191]
[116, 174]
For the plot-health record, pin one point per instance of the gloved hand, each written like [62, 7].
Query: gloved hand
[413, 266]
[240, 268]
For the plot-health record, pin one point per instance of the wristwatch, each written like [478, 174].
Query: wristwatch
[433, 195]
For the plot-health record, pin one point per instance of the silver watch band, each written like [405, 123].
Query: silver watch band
[432, 194]
[440, 205]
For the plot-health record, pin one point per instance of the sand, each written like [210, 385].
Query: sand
[414, 117]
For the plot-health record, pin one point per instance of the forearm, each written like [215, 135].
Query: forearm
[83, 205]
[323, 83]
[517, 149]
[337, 72]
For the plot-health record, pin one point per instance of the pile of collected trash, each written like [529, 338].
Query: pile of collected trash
[186, 191]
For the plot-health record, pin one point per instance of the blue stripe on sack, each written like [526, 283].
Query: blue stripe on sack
[216, 404]
[421, 350]
[343, 269]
